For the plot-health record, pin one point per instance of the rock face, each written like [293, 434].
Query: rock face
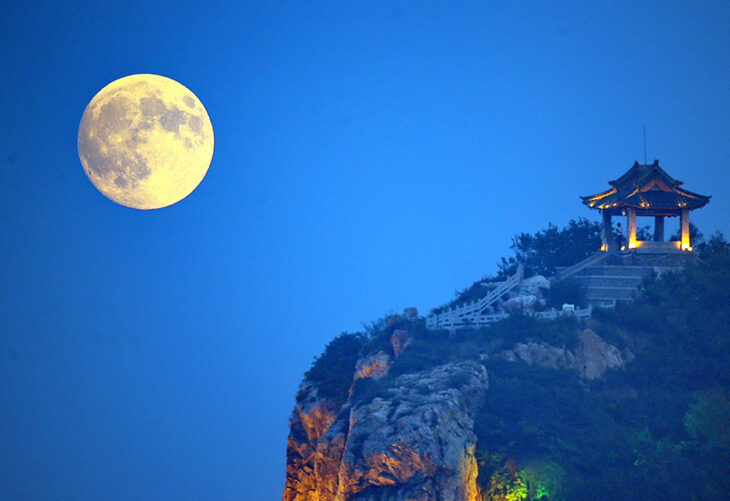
[409, 438]
[310, 467]
[414, 442]
[591, 358]
[374, 366]
[400, 339]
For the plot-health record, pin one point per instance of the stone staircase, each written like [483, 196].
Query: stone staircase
[618, 275]
[605, 285]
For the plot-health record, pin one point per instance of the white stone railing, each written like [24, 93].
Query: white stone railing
[553, 313]
[474, 312]
[452, 321]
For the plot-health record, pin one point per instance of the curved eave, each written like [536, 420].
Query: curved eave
[660, 200]
[644, 204]
[695, 196]
[593, 200]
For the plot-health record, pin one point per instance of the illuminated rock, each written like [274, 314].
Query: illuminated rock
[399, 339]
[414, 442]
[374, 366]
[307, 470]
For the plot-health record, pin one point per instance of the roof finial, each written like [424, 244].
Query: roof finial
[644, 144]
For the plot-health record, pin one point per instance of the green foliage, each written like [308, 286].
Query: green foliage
[541, 253]
[380, 333]
[538, 480]
[506, 484]
[708, 418]
[685, 317]
[547, 249]
[658, 429]
[708, 424]
[544, 480]
[611, 334]
[366, 389]
[380, 341]
[644, 233]
[333, 370]
[695, 236]
[477, 290]
[424, 351]
[562, 331]
[565, 291]
[459, 379]
[529, 409]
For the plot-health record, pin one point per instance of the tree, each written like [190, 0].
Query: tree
[565, 291]
[695, 235]
[333, 370]
[547, 249]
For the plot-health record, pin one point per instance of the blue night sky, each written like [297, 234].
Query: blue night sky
[369, 156]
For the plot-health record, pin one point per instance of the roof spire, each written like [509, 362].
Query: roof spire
[644, 144]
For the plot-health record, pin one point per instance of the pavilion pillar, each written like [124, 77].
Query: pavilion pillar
[607, 233]
[631, 227]
[684, 225]
[658, 228]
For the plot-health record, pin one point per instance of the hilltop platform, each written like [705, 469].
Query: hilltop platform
[609, 277]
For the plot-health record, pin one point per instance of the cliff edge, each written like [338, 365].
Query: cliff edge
[405, 428]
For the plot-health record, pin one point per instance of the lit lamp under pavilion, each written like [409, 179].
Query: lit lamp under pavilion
[646, 190]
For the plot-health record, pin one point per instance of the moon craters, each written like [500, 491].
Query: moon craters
[145, 141]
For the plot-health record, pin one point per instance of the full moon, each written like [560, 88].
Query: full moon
[145, 141]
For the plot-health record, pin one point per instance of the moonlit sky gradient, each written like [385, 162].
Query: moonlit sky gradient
[369, 156]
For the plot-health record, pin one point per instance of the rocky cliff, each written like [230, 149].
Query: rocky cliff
[633, 403]
[414, 442]
[409, 436]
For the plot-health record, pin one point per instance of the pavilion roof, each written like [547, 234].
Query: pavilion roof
[646, 187]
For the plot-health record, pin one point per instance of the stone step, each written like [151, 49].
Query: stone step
[609, 281]
[627, 278]
[632, 271]
[611, 292]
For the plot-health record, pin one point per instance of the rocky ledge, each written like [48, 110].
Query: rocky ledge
[412, 438]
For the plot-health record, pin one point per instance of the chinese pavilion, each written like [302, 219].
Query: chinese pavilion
[646, 190]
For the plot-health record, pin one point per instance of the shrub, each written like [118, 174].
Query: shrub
[547, 249]
[423, 352]
[333, 370]
[611, 334]
[562, 331]
[459, 379]
[565, 291]
[366, 389]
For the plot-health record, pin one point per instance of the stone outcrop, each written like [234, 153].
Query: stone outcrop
[410, 313]
[413, 442]
[310, 467]
[591, 358]
[400, 339]
[520, 304]
[411, 437]
[374, 366]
